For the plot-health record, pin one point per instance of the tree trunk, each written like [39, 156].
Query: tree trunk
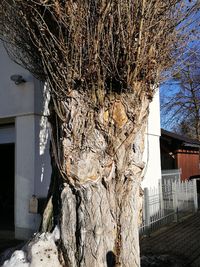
[98, 154]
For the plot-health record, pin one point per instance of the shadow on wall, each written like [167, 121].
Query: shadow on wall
[43, 164]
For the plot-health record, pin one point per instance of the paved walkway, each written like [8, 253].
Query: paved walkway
[181, 240]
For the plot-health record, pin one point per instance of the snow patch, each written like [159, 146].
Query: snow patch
[18, 259]
[40, 252]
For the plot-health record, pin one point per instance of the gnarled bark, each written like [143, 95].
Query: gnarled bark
[98, 151]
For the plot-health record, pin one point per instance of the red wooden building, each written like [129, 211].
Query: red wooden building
[180, 152]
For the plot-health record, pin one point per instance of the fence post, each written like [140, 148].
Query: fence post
[175, 204]
[146, 209]
[161, 197]
[186, 193]
[195, 195]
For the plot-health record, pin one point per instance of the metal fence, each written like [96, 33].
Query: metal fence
[171, 200]
[172, 175]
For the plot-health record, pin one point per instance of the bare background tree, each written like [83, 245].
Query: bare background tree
[182, 106]
[102, 60]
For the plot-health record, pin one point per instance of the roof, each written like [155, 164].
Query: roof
[183, 139]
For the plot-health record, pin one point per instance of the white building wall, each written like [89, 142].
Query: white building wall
[14, 99]
[151, 157]
[25, 222]
[23, 105]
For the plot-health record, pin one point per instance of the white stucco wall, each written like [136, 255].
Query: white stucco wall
[151, 157]
[24, 176]
[23, 106]
[14, 99]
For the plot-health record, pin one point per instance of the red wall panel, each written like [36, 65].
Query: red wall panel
[189, 163]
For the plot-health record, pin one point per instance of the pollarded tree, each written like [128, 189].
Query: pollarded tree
[102, 61]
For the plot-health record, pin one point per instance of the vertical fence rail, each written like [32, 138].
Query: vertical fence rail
[175, 200]
[195, 195]
[168, 202]
[146, 209]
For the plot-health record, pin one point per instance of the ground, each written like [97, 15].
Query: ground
[179, 241]
[176, 245]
